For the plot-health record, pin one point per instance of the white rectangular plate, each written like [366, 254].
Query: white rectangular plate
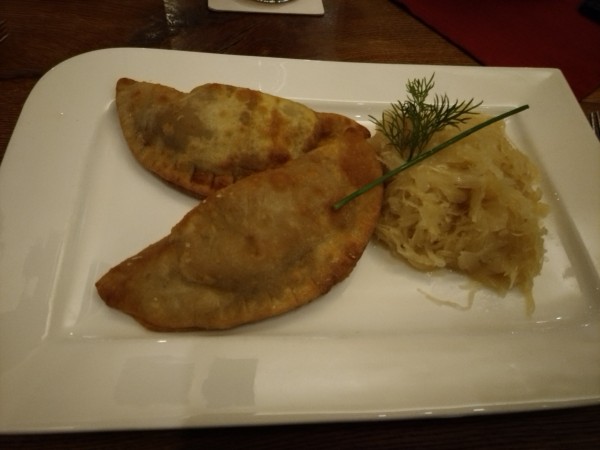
[73, 203]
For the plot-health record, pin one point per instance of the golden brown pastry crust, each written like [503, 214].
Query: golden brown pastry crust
[267, 244]
[207, 139]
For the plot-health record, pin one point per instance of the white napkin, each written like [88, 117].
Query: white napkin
[309, 7]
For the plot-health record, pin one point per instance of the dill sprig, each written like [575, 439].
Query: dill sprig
[425, 155]
[409, 125]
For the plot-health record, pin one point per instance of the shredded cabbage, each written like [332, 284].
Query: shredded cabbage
[474, 207]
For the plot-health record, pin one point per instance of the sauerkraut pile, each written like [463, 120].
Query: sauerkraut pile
[474, 207]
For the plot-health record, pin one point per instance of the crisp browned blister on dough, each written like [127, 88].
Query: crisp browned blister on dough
[216, 134]
[262, 246]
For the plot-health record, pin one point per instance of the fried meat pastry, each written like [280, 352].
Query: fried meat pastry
[207, 139]
[262, 246]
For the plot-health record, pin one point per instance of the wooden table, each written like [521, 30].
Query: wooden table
[44, 33]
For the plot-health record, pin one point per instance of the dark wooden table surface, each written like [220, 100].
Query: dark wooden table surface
[44, 33]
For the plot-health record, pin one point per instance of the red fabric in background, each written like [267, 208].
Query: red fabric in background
[520, 33]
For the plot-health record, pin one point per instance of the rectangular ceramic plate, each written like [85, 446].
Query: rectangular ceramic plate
[73, 202]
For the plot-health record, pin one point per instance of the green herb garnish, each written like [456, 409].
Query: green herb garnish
[410, 125]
